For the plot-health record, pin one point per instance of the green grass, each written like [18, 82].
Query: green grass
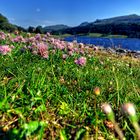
[61, 36]
[92, 35]
[54, 98]
[116, 36]
[105, 35]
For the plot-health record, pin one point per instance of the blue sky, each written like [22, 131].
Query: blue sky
[69, 12]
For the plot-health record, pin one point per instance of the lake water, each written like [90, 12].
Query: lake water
[126, 43]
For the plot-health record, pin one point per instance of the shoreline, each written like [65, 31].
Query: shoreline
[115, 49]
[118, 51]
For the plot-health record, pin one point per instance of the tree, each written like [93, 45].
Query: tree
[31, 29]
[39, 29]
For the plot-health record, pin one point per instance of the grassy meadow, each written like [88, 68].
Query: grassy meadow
[96, 35]
[51, 89]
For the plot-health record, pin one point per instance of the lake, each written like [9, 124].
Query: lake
[125, 43]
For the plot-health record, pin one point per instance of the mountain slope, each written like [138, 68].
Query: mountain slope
[5, 25]
[84, 24]
[120, 19]
[55, 27]
[128, 25]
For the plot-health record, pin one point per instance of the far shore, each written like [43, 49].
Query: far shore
[91, 35]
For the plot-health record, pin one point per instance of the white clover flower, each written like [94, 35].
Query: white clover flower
[129, 108]
[106, 108]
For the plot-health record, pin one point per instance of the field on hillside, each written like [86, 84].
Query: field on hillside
[51, 89]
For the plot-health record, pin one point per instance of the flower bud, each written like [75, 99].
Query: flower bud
[108, 111]
[106, 108]
[130, 110]
[97, 91]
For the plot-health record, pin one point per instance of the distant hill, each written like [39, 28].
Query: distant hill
[55, 27]
[122, 25]
[121, 19]
[84, 24]
[5, 25]
[133, 18]
[3, 19]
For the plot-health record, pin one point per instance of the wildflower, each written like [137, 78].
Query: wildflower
[86, 47]
[42, 48]
[97, 91]
[108, 111]
[81, 45]
[95, 48]
[89, 56]
[129, 108]
[59, 46]
[76, 50]
[81, 61]
[45, 55]
[106, 108]
[2, 33]
[70, 53]
[44, 39]
[2, 36]
[34, 52]
[64, 56]
[82, 51]
[53, 51]
[51, 40]
[16, 32]
[5, 49]
[18, 39]
[110, 114]
[70, 46]
[12, 47]
[48, 34]
[31, 39]
[38, 37]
